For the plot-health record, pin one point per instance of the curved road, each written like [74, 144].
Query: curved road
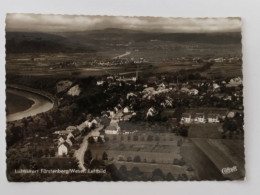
[41, 104]
[79, 154]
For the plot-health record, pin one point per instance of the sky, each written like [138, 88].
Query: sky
[70, 23]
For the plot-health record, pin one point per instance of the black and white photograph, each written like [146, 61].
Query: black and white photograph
[123, 98]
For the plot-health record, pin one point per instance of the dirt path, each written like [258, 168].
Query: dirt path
[79, 154]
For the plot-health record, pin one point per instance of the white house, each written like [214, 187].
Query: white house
[113, 128]
[126, 110]
[111, 114]
[194, 92]
[100, 83]
[213, 118]
[200, 118]
[95, 135]
[88, 124]
[71, 128]
[63, 149]
[186, 118]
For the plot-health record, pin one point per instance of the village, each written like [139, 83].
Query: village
[115, 135]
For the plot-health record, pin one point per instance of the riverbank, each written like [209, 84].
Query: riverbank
[40, 104]
[16, 102]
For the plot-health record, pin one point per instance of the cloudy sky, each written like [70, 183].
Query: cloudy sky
[65, 23]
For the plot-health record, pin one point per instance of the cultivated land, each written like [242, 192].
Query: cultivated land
[223, 156]
[147, 155]
[122, 150]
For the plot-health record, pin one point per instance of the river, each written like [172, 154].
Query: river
[29, 104]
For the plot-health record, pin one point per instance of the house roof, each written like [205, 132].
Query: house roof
[72, 139]
[65, 144]
[81, 126]
[186, 115]
[207, 111]
[76, 132]
[212, 115]
[112, 126]
[71, 128]
[199, 115]
[64, 137]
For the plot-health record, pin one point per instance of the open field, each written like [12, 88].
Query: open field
[203, 167]
[206, 130]
[89, 64]
[149, 155]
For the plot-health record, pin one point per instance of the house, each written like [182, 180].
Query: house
[94, 123]
[213, 118]
[95, 135]
[62, 132]
[69, 141]
[76, 133]
[200, 118]
[100, 83]
[194, 92]
[73, 141]
[70, 135]
[88, 124]
[63, 149]
[111, 114]
[71, 128]
[81, 127]
[61, 140]
[113, 128]
[186, 118]
[126, 110]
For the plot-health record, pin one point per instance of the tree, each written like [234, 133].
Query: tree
[52, 153]
[129, 159]
[178, 162]
[137, 159]
[150, 138]
[100, 140]
[91, 140]
[87, 157]
[135, 171]
[169, 177]
[135, 138]
[113, 172]
[182, 130]
[40, 153]
[104, 156]
[158, 174]
[123, 172]
[47, 152]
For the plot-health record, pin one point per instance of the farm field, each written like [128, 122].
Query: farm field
[218, 151]
[204, 169]
[149, 155]
[203, 158]
[205, 131]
